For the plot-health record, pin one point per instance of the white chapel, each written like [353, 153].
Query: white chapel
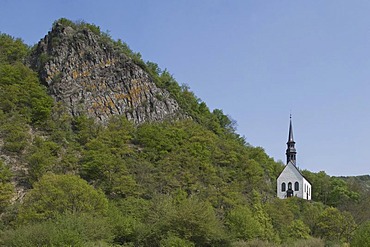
[291, 182]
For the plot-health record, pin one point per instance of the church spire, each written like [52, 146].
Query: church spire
[291, 152]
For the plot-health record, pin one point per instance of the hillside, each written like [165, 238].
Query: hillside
[99, 148]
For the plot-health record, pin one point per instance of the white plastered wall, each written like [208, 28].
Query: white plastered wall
[292, 175]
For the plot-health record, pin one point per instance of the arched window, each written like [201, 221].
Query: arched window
[296, 186]
[283, 187]
[289, 186]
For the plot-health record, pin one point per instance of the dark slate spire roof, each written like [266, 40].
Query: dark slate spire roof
[291, 151]
[290, 137]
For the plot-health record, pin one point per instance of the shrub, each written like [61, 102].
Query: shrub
[242, 225]
[67, 230]
[362, 236]
[175, 241]
[11, 49]
[60, 194]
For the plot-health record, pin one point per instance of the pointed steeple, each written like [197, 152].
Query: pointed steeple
[290, 136]
[291, 152]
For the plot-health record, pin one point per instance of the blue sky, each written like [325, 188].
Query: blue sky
[256, 60]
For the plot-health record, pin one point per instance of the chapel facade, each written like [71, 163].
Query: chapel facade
[291, 182]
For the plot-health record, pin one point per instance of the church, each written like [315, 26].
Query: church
[291, 182]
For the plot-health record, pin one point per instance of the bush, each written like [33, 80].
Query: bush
[187, 219]
[11, 49]
[253, 243]
[60, 194]
[362, 236]
[175, 241]
[311, 242]
[22, 93]
[242, 225]
[67, 230]
[14, 132]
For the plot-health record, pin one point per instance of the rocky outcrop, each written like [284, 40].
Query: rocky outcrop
[91, 77]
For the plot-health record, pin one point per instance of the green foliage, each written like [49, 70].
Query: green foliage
[5, 173]
[61, 194]
[334, 225]
[282, 215]
[77, 25]
[126, 228]
[268, 232]
[41, 158]
[224, 121]
[11, 49]
[67, 230]
[84, 128]
[6, 188]
[121, 46]
[242, 225]
[346, 195]
[340, 193]
[105, 158]
[183, 149]
[15, 133]
[361, 236]
[107, 170]
[298, 230]
[253, 243]
[311, 242]
[189, 219]
[189, 157]
[64, 22]
[33, 104]
[175, 241]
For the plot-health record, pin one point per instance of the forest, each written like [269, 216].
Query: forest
[72, 181]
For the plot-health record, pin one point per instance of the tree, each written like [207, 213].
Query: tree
[106, 169]
[242, 225]
[127, 217]
[361, 236]
[189, 219]
[282, 215]
[41, 158]
[175, 241]
[14, 133]
[60, 194]
[6, 188]
[335, 225]
[64, 230]
[321, 182]
[21, 91]
[268, 232]
[340, 193]
[310, 214]
[11, 49]
[224, 121]
[298, 230]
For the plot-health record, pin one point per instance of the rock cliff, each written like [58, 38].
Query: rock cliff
[92, 77]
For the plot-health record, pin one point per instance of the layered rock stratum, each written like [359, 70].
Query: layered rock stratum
[90, 76]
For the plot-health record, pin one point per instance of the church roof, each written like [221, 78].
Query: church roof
[293, 165]
[290, 136]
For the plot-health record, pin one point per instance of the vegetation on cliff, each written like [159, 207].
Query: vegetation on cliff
[177, 182]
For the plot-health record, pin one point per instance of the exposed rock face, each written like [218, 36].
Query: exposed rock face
[91, 77]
